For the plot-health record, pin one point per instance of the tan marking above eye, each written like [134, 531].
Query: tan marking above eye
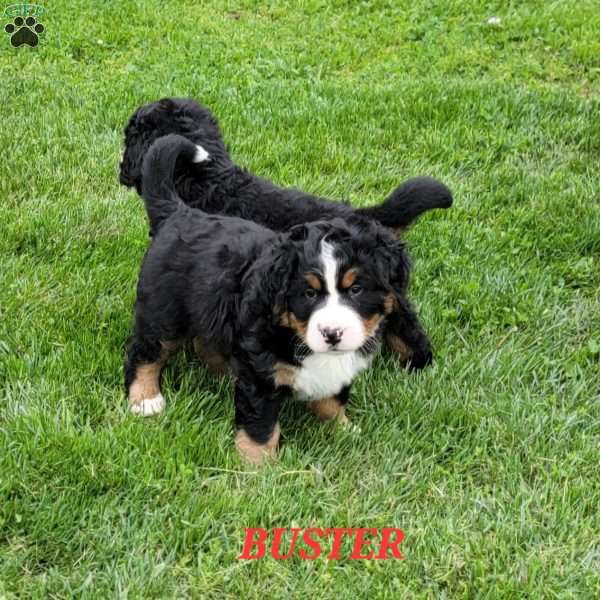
[313, 281]
[349, 278]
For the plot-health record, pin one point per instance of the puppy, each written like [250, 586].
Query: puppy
[219, 186]
[222, 187]
[301, 311]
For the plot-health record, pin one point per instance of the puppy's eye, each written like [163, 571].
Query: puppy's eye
[355, 290]
[310, 293]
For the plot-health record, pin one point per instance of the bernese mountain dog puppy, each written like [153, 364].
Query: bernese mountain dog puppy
[223, 187]
[300, 311]
[219, 186]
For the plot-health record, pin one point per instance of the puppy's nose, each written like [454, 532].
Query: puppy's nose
[332, 335]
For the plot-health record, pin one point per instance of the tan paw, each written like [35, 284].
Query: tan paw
[329, 409]
[254, 453]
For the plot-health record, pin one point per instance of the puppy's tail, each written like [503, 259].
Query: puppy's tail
[409, 201]
[158, 175]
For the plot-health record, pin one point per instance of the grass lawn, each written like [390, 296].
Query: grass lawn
[488, 460]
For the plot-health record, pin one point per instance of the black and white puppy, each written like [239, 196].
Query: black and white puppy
[301, 311]
[219, 186]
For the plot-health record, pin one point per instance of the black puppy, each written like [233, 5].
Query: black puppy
[298, 311]
[218, 185]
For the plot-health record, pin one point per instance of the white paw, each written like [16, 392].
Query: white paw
[201, 154]
[149, 406]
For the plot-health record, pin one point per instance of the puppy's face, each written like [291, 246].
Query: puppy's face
[339, 295]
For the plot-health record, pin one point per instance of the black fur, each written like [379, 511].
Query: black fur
[225, 188]
[226, 281]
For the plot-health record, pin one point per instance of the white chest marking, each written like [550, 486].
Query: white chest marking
[324, 375]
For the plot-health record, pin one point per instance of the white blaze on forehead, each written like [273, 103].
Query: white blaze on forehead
[330, 269]
[334, 314]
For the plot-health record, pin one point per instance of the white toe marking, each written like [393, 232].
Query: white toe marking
[201, 154]
[149, 406]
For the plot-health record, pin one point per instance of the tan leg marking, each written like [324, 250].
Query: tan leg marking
[253, 452]
[216, 363]
[329, 409]
[284, 375]
[399, 347]
[144, 393]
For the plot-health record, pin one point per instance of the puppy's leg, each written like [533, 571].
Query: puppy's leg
[145, 360]
[405, 336]
[332, 408]
[216, 362]
[256, 420]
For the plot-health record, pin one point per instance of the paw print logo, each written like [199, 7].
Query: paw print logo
[24, 31]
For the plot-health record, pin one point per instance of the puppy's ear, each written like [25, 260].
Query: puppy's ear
[268, 281]
[156, 113]
[298, 232]
[136, 143]
[392, 264]
[145, 125]
[276, 282]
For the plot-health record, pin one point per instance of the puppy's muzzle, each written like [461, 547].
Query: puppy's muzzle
[332, 335]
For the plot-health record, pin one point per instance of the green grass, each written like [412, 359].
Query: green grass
[488, 460]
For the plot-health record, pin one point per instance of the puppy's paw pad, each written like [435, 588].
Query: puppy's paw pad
[148, 406]
[201, 155]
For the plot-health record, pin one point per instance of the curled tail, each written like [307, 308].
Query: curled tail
[408, 201]
[158, 175]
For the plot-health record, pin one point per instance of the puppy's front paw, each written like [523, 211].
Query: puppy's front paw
[329, 409]
[253, 452]
[420, 359]
[148, 406]
[414, 357]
